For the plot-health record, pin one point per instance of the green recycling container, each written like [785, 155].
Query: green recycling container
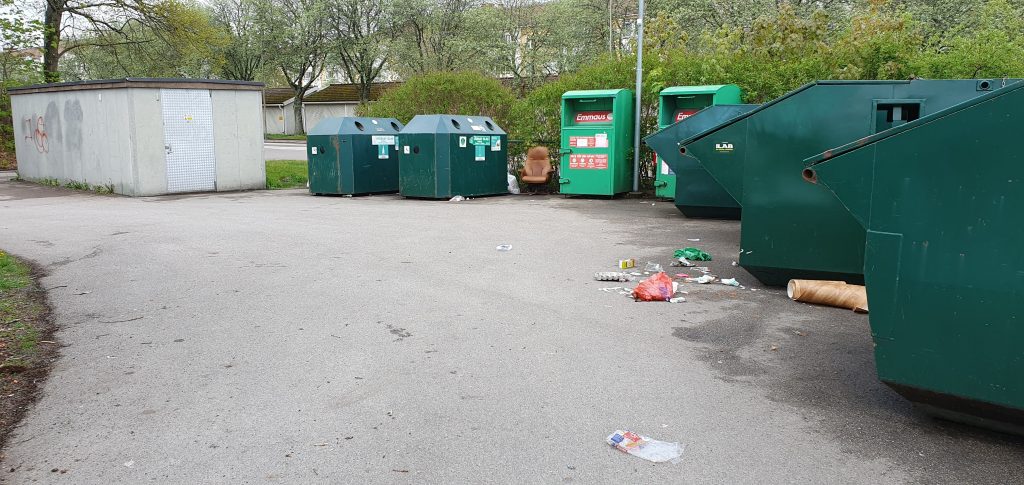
[597, 136]
[941, 200]
[442, 156]
[353, 156]
[697, 193]
[678, 103]
[790, 229]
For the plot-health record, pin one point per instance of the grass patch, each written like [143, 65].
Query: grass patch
[285, 137]
[26, 340]
[286, 174]
[13, 275]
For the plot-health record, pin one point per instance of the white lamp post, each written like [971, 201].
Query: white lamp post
[639, 90]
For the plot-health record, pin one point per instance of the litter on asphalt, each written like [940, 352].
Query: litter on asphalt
[683, 262]
[653, 267]
[658, 287]
[702, 279]
[693, 254]
[644, 447]
[612, 276]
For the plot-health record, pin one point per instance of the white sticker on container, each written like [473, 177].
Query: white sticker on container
[462, 142]
[405, 149]
[477, 127]
[382, 140]
[313, 150]
[601, 140]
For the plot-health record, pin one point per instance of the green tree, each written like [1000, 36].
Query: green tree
[75, 24]
[296, 43]
[189, 45]
[18, 34]
[431, 36]
[243, 56]
[361, 33]
[993, 48]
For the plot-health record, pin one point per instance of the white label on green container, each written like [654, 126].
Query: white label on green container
[480, 153]
[462, 142]
[382, 151]
[601, 140]
[482, 140]
[382, 140]
[495, 143]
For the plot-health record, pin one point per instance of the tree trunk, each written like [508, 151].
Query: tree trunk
[364, 90]
[300, 128]
[51, 39]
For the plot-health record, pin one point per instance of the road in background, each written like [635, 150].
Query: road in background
[281, 150]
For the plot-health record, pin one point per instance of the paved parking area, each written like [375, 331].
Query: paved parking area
[276, 337]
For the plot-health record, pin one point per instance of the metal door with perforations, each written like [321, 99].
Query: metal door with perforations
[188, 140]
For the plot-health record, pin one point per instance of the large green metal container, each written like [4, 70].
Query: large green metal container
[442, 156]
[677, 103]
[789, 228]
[697, 194]
[353, 156]
[941, 201]
[597, 136]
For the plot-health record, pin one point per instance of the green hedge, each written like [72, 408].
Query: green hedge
[466, 93]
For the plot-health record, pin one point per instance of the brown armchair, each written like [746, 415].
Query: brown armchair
[537, 169]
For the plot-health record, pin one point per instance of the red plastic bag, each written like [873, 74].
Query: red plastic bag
[656, 288]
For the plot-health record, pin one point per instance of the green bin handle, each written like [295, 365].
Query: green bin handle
[563, 181]
[661, 183]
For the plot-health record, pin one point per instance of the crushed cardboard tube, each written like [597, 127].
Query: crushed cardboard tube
[832, 293]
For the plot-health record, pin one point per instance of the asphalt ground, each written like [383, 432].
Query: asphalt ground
[277, 337]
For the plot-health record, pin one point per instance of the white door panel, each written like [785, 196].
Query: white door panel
[188, 140]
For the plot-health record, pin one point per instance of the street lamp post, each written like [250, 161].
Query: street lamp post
[639, 90]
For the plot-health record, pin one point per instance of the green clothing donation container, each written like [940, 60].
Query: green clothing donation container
[941, 200]
[697, 193]
[353, 156]
[790, 229]
[441, 156]
[678, 103]
[597, 135]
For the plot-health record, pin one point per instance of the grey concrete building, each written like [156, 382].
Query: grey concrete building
[278, 111]
[331, 101]
[142, 137]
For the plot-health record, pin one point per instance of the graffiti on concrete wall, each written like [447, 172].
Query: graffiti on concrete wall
[44, 131]
[34, 128]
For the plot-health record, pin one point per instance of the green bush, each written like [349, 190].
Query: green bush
[463, 93]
